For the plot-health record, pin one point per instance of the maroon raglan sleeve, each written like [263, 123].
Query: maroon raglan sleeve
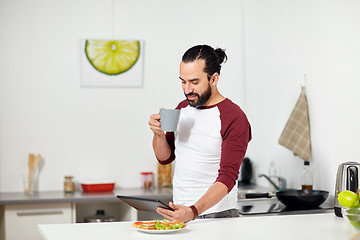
[236, 134]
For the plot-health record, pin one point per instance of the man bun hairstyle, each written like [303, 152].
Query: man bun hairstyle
[213, 58]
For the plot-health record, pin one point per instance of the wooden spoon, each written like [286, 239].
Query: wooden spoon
[31, 166]
[36, 162]
[34, 167]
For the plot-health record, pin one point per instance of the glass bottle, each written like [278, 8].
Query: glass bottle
[272, 176]
[69, 185]
[306, 177]
[272, 169]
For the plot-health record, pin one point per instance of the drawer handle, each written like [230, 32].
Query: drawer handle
[49, 212]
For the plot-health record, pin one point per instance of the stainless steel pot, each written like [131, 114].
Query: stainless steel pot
[347, 178]
[100, 216]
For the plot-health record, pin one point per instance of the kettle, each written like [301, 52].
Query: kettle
[245, 172]
[347, 178]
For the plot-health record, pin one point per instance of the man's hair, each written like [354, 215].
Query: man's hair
[213, 58]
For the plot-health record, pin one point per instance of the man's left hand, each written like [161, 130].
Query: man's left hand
[181, 212]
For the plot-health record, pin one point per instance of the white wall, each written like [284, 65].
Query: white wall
[103, 132]
[98, 132]
[283, 41]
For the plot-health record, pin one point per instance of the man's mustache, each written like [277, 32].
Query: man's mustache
[192, 94]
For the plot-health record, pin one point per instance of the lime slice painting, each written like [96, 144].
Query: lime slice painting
[112, 63]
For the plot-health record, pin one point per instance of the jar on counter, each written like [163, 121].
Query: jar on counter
[164, 175]
[147, 180]
[69, 185]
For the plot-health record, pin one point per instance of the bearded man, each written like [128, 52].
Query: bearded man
[209, 144]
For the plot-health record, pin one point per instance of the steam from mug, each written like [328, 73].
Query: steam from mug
[169, 119]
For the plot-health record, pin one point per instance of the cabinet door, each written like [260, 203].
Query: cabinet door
[21, 221]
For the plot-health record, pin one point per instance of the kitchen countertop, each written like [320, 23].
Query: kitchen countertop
[80, 196]
[7, 198]
[261, 206]
[314, 226]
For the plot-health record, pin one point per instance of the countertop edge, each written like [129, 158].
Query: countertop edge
[13, 198]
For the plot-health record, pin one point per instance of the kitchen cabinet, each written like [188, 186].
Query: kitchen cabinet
[20, 221]
[119, 210]
[25, 212]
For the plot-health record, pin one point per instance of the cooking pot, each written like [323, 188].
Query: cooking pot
[347, 178]
[100, 216]
[294, 199]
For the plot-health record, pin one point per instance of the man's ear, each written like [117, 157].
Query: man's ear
[214, 79]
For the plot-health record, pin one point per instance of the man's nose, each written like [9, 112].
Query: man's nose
[188, 89]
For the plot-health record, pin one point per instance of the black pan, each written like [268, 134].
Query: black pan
[302, 199]
[295, 199]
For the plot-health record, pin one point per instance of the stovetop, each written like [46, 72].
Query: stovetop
[274, 207]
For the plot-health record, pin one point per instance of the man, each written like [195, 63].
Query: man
[209, 144]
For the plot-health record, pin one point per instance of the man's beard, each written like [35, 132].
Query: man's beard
[201, 99]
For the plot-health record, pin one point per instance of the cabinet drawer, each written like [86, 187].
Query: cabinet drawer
[21, 220]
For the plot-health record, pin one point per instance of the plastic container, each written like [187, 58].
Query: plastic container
[147, 180]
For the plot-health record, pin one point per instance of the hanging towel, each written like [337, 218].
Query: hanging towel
[296, 134]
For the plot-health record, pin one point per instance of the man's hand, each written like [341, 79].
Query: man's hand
[161, 147]
[181, 213]
[155, 124]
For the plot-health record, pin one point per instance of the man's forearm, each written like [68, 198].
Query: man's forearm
[213, 195]
[161, 147]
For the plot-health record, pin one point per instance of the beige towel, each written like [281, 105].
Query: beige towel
[296, 134]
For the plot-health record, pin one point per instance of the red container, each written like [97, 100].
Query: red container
[98, 187]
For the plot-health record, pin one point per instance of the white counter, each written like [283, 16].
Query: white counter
[311, 226]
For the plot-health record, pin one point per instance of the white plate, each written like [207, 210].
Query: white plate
[159, 231]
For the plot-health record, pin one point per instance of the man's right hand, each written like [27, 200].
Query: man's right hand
[161, 147]
[155, 124]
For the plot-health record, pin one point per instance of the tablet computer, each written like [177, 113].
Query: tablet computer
[144, 204]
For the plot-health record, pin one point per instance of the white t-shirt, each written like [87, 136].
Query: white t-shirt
[208, 146]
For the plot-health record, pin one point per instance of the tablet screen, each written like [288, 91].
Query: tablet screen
[144, 204]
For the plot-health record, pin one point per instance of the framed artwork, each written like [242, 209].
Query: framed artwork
[111, 63]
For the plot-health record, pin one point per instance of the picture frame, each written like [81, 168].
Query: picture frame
[111, 63]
